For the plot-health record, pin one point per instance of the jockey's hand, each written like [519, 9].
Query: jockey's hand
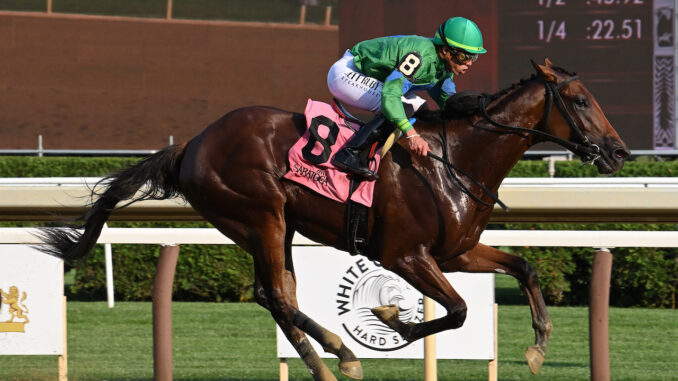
[416, 143]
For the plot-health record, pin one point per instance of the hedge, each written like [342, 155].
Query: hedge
[203, 273]
[641, 276]
[32, 166]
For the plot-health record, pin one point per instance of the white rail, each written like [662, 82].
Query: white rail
[645, 199]
[539, 238]
[564, 182]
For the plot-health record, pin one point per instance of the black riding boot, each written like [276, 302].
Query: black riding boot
[353, 157]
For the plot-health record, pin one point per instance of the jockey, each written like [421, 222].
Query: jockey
[383, 74]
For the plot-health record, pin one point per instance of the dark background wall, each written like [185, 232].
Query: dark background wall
[361, 20]
[121, 83]
[126, 83]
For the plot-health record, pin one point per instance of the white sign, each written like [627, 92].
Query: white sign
[31, 314]
[338, 290]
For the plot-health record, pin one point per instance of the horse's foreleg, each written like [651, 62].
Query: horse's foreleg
[295, 336]
[277, 290]
[486, 259]
[421, 271]
[272, 300]
[349, 365]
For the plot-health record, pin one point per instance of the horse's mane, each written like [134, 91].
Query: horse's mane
[467, 103]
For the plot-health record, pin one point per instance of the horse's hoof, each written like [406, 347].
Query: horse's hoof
[535, 358]
[387, 313]
[351, 369]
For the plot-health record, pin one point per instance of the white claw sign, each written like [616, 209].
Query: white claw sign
[338, 291]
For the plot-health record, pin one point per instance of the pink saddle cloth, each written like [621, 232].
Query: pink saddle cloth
[311, 157]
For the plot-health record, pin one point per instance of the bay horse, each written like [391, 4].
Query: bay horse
[426, 217]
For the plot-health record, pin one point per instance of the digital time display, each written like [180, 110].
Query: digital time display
[614, 46]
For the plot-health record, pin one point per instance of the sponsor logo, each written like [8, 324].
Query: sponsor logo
[363, 82]
[365, 285]
[14, 307]
[314, 174]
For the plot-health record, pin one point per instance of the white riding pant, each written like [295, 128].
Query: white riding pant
[353, 88]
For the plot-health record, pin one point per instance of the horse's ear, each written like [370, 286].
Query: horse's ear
[547, 61]
[545, 70]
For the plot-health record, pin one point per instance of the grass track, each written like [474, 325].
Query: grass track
[237, 342]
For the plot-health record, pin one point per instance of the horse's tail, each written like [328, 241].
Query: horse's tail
[159, 172]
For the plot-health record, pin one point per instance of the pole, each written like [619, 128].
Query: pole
[430, 366]
[108, 257]
[162, 313]
[40, 147]
[168, 16]
[328, 15]
[302, 14]
[599, 302]
[493, 366]
[63, 358]
[108, 254]
[284, 370]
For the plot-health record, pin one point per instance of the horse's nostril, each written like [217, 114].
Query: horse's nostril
[621, 154]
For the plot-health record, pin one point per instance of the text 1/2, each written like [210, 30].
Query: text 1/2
[550, 3]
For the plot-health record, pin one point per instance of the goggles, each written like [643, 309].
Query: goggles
[461, 57]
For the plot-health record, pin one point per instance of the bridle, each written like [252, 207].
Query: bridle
[589, 152]
[583, 147]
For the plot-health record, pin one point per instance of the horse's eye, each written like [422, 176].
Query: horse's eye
[581, 103]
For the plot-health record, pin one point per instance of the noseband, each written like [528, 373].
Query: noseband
[583, 147]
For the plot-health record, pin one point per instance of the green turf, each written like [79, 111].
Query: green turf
[237, 342]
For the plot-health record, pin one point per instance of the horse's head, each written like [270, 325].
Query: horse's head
[581, 120]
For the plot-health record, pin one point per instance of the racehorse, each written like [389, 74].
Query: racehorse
[426, 217]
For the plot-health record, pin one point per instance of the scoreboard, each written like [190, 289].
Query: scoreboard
[623, 50]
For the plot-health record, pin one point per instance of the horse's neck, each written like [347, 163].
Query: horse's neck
[487, 154]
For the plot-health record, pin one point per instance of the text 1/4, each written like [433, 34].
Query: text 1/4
[551, 29]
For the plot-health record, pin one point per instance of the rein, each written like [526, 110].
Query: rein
[588, 151]
[450, 167]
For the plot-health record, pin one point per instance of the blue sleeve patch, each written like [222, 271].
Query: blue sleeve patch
[395, 74]
[449, 87]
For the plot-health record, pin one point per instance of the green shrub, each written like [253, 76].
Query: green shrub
[645, 277]
[33, 166]
[203, 273]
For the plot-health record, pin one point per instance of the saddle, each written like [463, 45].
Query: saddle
[355, 219]
[340, 109]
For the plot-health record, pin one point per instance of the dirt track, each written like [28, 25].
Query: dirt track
[113, 83]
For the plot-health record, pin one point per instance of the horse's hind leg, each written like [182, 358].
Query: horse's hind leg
[486, 259]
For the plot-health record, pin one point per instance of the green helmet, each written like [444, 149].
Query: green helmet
[462, 33]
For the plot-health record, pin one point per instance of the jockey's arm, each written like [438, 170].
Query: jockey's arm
[395, 86]
[442, 91]
[392, 106]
